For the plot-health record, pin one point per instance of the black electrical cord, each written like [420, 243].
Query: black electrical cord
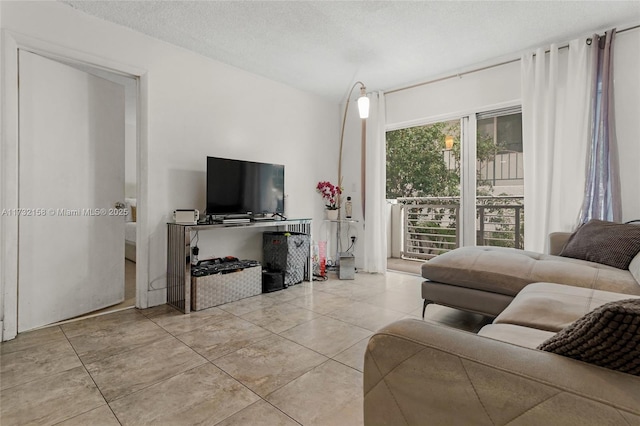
[353, 243]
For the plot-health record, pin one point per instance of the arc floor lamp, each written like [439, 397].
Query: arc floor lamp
[363, 108]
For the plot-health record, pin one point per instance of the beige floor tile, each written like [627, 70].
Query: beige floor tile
[298, 290]
[117, 338]
[354, 356]
[378, 281]
[279, 318]
[221, 338]
[203, 395]
[401, 302]
[101, 416]
[127, 372]
[165, 382]
[269, 364]
[412, 287]
[260, 413]
[330, 394]
[350, 413]
[249, 304]
[51, 399]
[321, 302]
[158, 310]
[36, 362]
[326, 335]
[111, 321]
[351, 289]
[366, 316]
[287, 294]
[32, 339]
[176, 322]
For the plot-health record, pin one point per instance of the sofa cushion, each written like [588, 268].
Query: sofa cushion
[507, 271]
[516, 335]
[552, 307]
[609, 243]
[608, 336]
[634, 268]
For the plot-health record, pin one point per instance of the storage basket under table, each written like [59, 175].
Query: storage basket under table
[287, 252]
[225, 286]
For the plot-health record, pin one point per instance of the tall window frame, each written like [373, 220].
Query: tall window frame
[468, 225]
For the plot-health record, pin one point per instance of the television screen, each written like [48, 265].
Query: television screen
[244, 187]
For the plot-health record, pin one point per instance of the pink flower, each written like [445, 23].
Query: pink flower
[330, 193]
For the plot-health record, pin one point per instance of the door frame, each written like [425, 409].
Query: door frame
[9, 162]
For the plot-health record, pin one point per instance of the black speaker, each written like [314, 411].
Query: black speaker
[272, 281]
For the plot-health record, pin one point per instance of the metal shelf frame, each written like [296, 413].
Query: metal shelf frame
[179, 254]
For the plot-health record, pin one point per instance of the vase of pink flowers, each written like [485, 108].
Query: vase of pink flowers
[330, 193]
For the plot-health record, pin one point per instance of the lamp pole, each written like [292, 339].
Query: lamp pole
[363, 106]
[344, 121]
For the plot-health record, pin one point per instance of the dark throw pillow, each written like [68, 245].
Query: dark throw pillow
[608, 243]
[608, 336]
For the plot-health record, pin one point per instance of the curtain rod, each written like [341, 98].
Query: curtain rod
[481, 69]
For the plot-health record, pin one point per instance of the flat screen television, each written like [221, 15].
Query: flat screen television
[236, 187]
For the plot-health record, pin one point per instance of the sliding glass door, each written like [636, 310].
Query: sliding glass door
[457, 182]
[423, 177]
[500, 183]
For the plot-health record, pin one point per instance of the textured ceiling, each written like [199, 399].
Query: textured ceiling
[324, 46]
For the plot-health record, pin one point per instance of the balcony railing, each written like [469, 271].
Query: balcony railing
[431, 225]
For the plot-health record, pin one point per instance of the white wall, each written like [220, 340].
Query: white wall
[455, 96]
[485, 89]
[198, 107]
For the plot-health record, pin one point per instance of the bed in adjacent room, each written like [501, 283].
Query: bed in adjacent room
[130, 230]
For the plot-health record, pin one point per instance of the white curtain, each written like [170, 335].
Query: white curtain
[555, 127]
[375, 223]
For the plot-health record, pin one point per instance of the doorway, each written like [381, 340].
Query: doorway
[9, 164]
[71, 187]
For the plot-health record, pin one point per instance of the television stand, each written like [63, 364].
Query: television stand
[236, 220]
[180, 238]
[263, 219]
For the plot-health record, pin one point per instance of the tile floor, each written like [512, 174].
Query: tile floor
[285, 358]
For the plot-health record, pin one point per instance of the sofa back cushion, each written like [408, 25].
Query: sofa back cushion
[608, 243]
[608, 336]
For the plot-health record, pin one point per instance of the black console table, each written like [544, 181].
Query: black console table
[179, 254]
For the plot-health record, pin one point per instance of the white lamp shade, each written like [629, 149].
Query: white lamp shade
[363, 106]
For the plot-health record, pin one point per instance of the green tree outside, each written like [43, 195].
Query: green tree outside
[419, 165]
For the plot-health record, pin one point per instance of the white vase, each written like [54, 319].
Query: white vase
[332, 214]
